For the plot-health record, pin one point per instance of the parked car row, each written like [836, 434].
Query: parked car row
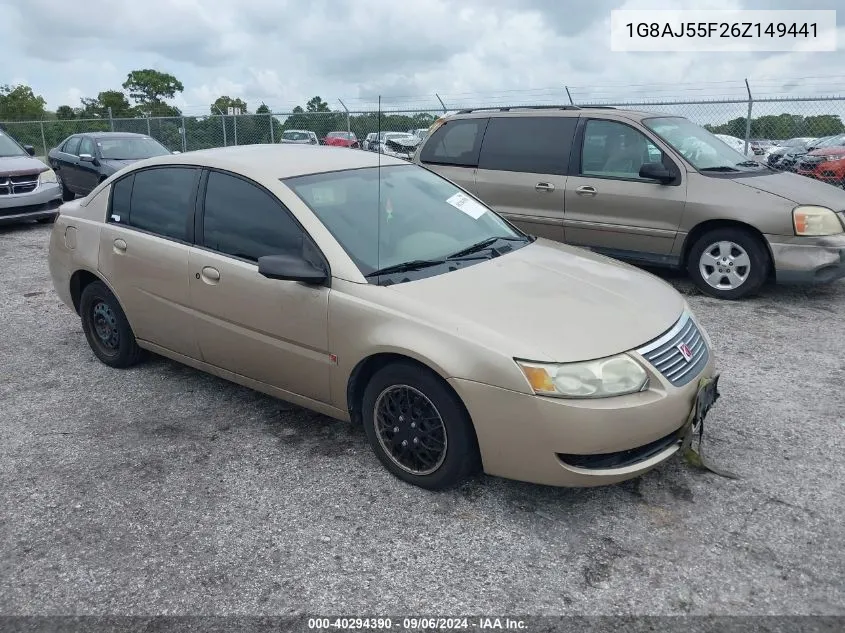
[414, 297]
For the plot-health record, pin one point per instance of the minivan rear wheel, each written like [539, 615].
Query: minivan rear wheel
[728, 263]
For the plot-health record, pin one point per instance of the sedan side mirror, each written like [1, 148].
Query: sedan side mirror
[656, 171]
[29, 150]
[291, 268]
[86, 158]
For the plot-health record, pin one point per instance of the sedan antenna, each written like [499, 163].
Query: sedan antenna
[378, 202]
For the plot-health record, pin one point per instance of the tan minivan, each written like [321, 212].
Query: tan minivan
[650, 188]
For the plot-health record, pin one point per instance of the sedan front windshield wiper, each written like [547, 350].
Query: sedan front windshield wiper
[404, 267]
[719, 168]
[750, 163]
[480, 246]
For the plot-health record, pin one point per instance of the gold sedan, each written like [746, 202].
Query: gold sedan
[373, 290]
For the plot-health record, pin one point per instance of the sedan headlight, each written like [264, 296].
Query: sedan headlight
[48, 176]
[834, 157]
[603, 378]
[815, 221]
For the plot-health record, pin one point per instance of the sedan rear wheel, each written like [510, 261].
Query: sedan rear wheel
[107, 328]
[418, 427]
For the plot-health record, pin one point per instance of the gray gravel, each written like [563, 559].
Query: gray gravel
[161, 490]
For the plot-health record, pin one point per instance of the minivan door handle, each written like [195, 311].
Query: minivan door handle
[544, 186]
[210, 275]
[586, 190]
[119, 246]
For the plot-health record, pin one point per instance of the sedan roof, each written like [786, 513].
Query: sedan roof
[275, 161]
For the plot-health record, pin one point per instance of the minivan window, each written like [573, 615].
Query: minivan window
[243, 220]
[538, 145]
[162, 201]
[703, 150]
[72, 145]
[455, 143]
[616, 150]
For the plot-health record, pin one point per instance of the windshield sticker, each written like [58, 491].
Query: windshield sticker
[467, 205]
[322, 195]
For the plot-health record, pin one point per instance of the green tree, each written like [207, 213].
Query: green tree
[316, 104]
[263, 109]
[824, 125]
[20, 103]
[149, 88]
[65, 112]
[222, 104]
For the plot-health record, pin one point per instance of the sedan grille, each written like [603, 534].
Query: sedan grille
[680, 354]
[18, 184]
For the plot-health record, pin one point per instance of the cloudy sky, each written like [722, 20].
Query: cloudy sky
[282, 52]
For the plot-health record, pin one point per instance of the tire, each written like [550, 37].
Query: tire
[107, 328]
[414, 385]
[67, 194]
[738, 253]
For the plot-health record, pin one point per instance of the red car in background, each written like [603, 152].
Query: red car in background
[826, 164]
[341, 139]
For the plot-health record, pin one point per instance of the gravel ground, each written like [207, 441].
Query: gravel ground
[161, 490]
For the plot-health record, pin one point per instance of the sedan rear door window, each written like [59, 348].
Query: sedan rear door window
[161, 201]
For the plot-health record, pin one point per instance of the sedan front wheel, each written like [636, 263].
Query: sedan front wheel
[418, 428]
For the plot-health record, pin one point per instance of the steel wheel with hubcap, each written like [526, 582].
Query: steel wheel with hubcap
[418, 427]
[106, 327]
[728, 263]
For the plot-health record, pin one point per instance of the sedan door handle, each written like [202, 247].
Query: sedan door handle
[210, 275]
[119, 246]
[544, 186]
[586, 190]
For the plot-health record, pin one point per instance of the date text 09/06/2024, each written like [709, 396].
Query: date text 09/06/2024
[722, 29]
[416, 623]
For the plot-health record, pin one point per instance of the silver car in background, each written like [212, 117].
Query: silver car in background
[29, 189]
[299, 137]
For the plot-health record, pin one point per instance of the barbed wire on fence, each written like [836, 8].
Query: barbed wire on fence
[775, 118]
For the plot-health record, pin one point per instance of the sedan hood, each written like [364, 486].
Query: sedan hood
[548, 301]
[20, 166]
[797, 189]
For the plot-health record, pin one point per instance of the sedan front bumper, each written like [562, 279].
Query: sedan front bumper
[564, 442]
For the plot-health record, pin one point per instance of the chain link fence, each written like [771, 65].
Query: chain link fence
[774, 119]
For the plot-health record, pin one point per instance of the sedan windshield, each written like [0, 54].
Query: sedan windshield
[130, 148]
[403, 217]
[346, 135]
[296, 136]
[703, 150]
[9, 147]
